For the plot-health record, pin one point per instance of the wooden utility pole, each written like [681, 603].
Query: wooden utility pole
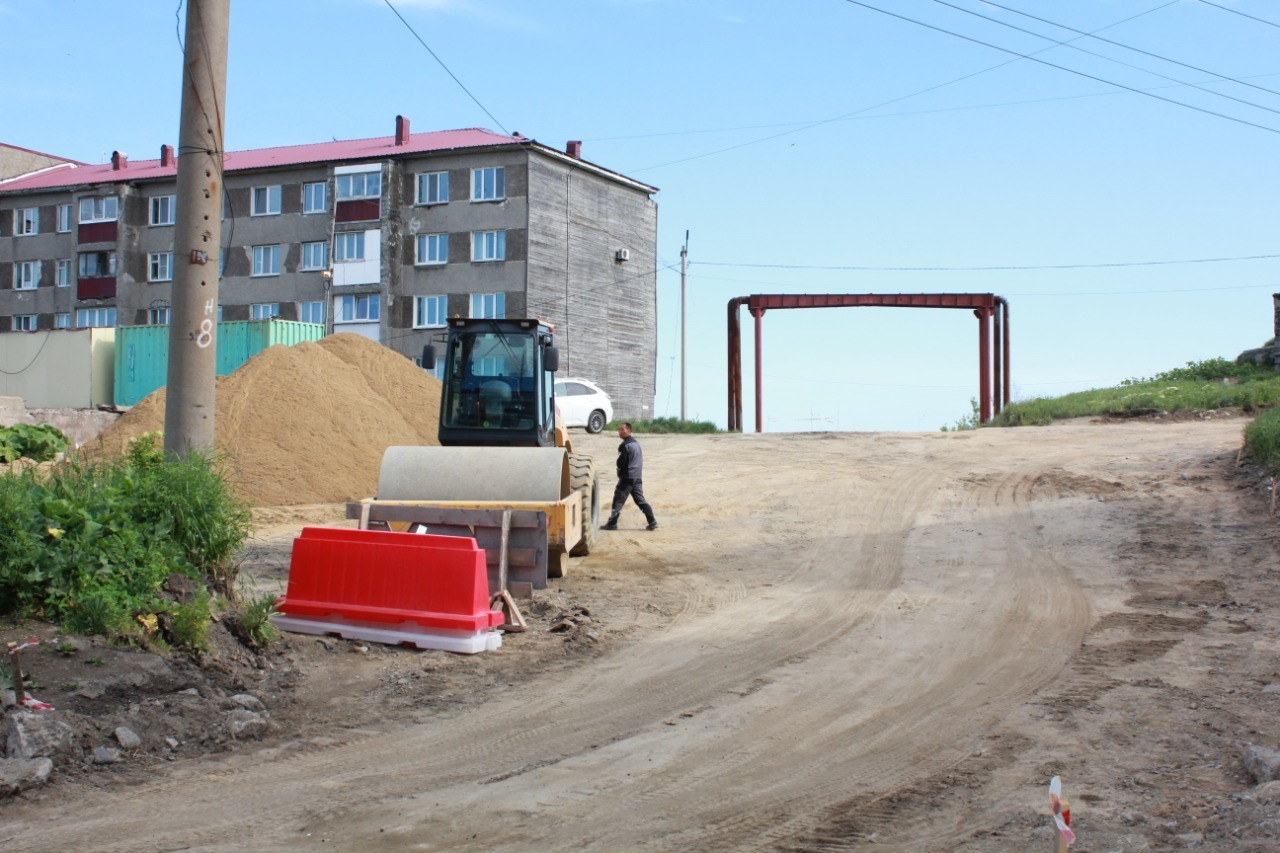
[193, 318]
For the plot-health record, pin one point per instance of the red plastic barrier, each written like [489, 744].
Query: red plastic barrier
[388, 577]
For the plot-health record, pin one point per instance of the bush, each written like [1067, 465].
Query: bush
[41, 442]
[1262, 438]
[670, 425]
[94, 543]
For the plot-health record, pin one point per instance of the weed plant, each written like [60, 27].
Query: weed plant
[252, 623]
[92, 544]
[1262, 437]
[191, 621]
[39, 442]
[670, 425]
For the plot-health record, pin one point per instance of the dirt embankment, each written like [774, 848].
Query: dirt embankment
[308, 424]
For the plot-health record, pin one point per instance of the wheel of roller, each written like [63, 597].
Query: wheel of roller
[582, 473]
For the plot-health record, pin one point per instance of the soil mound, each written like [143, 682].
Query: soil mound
[308, 423]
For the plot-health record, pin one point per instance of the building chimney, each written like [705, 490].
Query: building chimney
[119, 161]
[166, 155]
[574, 149]
[1275, 308]
[402, 130]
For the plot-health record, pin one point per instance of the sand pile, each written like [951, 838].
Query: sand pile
[309, 423]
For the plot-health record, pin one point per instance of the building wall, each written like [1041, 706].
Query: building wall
[564, 223]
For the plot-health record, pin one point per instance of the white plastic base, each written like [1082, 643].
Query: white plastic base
[463, 642]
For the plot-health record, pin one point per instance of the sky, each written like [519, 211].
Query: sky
[1107, 166]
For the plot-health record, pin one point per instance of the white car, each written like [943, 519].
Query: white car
[583, 404]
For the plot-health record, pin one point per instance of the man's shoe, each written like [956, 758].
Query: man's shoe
[609, 525]
[653, 525]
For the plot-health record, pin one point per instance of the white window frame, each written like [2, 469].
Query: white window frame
[489, 183]
[430, 312]
[489, 306]
[433, 188]
[93, 318]
[62, 320]
[348, 247]
[364, 308]
[26, 221]
[100, 208]
[357, 184]
[26, 275]
[24, 322]
[264, 310]
[488, 246]
[266, 261]
[307, 310]
[309, 191]
[162, 210]
[160, 266]
[158, 316]
[309, 262]
[62, 273]
[62, 217]
[431, 250]
[265, 201]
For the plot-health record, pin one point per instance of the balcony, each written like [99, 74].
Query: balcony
[103, 287]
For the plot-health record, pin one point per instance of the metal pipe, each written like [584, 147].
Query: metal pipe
[758, 313]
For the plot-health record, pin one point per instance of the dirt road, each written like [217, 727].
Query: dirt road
[833, 641]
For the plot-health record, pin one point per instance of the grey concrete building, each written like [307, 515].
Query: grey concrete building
[385, 237]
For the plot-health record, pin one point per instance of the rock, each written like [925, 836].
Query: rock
[105, 755]
[21, 774]
[1268, 793]
[127, 738]
[7, 699]
[171, 742]
[249, 702]
[1263, 763]
[246, 724]
[32, 735]
[563, 625]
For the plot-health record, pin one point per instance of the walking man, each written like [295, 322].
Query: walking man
[630, 473]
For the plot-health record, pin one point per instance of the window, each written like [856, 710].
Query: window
[311, 312]
[160, 266]
[62, 276]
[488, 184]
[95, 317]
[265, 201]
[97, 265]
[26, 275]
[24, 322]
[164, 209]
[26, 221]
[315, 256]
[491, 306]
[157, 316]
[315, 198]
[433, 188]
[359, 185]
[432, 249]
[62, 320]
[356, 309]
[429, 311]
[348, 246]
[264, 310]
[101, 209]
[63, 218]
[488, 245]
[266, 260]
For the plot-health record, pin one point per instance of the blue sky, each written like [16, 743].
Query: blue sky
[808, 146]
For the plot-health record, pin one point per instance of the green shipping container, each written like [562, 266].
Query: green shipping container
[142, 352]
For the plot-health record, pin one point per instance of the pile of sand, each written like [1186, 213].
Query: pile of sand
[309, 423]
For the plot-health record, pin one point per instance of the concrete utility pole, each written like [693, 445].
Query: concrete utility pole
[684, 341]
[197, 238]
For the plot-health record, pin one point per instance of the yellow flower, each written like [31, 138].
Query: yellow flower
[56, 532]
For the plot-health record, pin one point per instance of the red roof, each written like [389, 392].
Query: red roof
[265, 158]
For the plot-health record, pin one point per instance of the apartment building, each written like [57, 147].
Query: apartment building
[384, 237]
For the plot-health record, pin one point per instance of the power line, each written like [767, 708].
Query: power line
[989, 268]
[1087, 76]
[1126, 47]
[1241, 14]
[445, 67]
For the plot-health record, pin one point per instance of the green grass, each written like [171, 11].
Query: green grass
[1213, 384]
[669, 425]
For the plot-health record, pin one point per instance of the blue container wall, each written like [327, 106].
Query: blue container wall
[142, 352]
